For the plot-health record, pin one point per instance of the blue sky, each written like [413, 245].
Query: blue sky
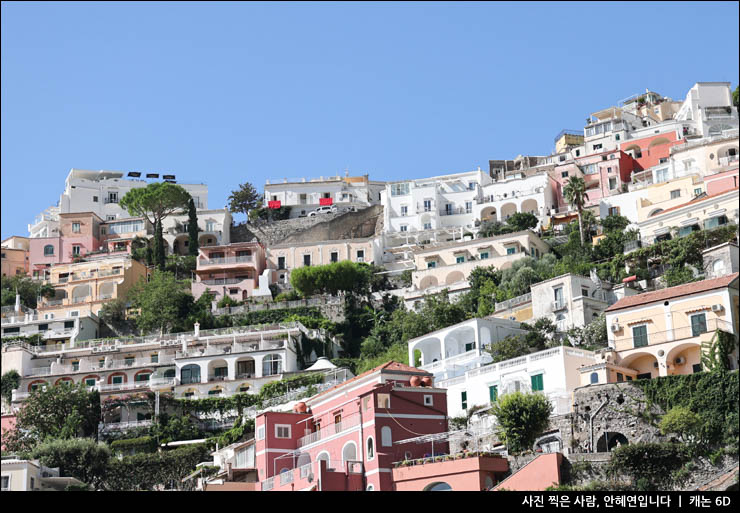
[224, 93]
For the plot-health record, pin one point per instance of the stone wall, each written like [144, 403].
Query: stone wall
[350, 225]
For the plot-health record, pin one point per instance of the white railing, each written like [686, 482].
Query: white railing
[558, 305]
[20, 396]
[286, 477]
[450, 382]
[39, 371]
[268, 484]
[726, 161]
[513, 363]
[226, 260]
[462, 356]
[163, 382]
[133, 385]
[509, 303]
[328, 431]
[121, 426]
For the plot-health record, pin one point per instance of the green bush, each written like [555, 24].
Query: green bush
[650, 466]
[141, 444]
[521, 419]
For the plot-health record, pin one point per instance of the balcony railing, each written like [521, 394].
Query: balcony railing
[558, 305]
[632, 245]
[224, 281]
[676, 334]
[330, 430]
[123, 426]
[226, 260]
[510, 303]
[726, 161]
[132, 385]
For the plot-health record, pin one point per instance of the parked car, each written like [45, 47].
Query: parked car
[323, 210]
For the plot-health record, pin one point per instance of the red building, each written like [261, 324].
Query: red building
[344, 440]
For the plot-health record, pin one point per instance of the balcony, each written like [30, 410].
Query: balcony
[123, 426]
[226, 261]
[674, 335]
[726, 161]
[632, 245]
[115, 387]
[328, 431]
[510, 303]
[224, 281]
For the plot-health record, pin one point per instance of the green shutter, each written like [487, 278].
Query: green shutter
[493, 393]
[698, 324]
[537, 383]
[639, 336]
[464, 400]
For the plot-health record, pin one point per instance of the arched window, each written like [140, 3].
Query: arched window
[386, 436]
[370, 488]
[594, 377]
[169, 373]
[349, 452]
[438, 487]
[48, 250]
[370, 448]
[718, 268]
[190, 374]
[271, 365]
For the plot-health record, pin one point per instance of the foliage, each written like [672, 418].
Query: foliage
[243, 199]
[711, 395]
[683, 422]
[155, 471]
[492, 228]
[406, 277]
[180, 265]
[173, 428]
[113, 314]
[276, 315]
[650, 466]
[155, 202]
[736, 97]
[509, 347]
[9, 381]
[192, 229]
[520, 221]
[397, 353]
[28, 289]
[717, 355]
[163, 302]
[521, 419]
[290, 295]
[678, 275]
[575, 194]
[226, 301]
[591, 336]
[82, 458]
[332, 278]
[240, 430]
[62, 411]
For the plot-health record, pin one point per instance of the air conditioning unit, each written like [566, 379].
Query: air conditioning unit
[615, 328]
[717, 308]
[680, 360]
[96, 349]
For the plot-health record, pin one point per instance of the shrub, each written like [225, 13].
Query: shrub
[521, 418]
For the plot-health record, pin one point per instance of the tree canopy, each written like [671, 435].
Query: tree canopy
[521, 419]
[164, 302]
[243, 199]
[575, 194]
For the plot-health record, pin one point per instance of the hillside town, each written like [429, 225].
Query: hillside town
[525, 325]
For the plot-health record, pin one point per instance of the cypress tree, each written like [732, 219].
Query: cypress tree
[192, 229]
[159, 246]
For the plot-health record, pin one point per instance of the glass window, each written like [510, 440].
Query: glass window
[271, 365]
[76, 227]
[564, 174]
[48, 250]
[639, 336]
[510, 251]
[142, 377]
[713, 222]
[117, 380]
[386, 436]
[370, 449]
[155, 358]
[431, 265]
[360, 255]
[399, 189]
[594, 377]
[76, 366]
[537, 385]
[686, 230]
[404, 210]
[484, 255]
[698, 324]
[76, 250]
[190, 374]
[676, 194]
[460, 259]
[306, 260]
[90, 382]
[404, 228]
[334, 256]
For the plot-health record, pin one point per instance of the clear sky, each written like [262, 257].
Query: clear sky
[223, 93]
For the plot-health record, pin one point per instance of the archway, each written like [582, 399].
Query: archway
[644, 364]
[190, 374]
[439, 486]
[106, 290]
[657, 142]
[488, 214]
[530, 205]
[507, 210]
[454, 277]
[610, 440]
[428, 281]
[684, 359]
[178, 246]
[349, 452]
[218, 370]
[80, 292]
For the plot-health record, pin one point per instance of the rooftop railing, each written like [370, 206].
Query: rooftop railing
[676, 334]
[510, 303]
[330, 430]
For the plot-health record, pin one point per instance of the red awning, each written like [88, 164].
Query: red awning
[273, 204]
[629, 279]
[325, 201]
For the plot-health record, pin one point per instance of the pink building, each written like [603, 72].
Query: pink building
[345, 438]
[79, 234]
[652, 150]
[8, 424]
[232, 270]
[604, 173]
[721, 182]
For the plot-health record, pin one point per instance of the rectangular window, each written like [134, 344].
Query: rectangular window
[282, 430]
[112, 197]
[698, 324]
[639, 336]
[360, 255]
[662, 161]
[6, 483]
[428, 400]
[464, 400]
[584, 291]
[510, 251]
[620, 377]
[399, 189]
[616, 137]
[697, 192]
[484, 255]
[75, 227]
[537, 385]
[614, 211]
[427, 226]
[564, 174]
[676, 194]
[334, 256]
[404, 228]
[404, 210]
[95, 199]
[696, 367]
[468, 207]
[460, 259]
[306, 260]
[431, 265]
[142, 377]
[76, 366]
[612, 183]
[128, 361]
[597, 147]
[76, 250]
[493, 393]
[427, 205]
[261, 433]
[117, 380]
[366, 403]
[69, 325]
[471, 186]
[281, 262]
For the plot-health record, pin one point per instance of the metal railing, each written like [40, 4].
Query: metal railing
[726, 161]
[226, 260]
[676, 334]
[328, 431]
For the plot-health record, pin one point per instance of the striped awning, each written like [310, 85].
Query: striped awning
[699, 309]
[638, 321]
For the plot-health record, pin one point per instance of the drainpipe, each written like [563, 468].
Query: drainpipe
[361, 448]
[591, 423]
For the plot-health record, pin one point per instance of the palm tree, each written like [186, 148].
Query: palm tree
[576, 196]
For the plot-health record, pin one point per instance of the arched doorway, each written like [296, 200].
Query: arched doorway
[610, 440]
[439, 486]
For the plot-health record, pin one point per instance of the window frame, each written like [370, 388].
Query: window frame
[279, 427]
[646, 336]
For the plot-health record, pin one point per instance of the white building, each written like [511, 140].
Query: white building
[27, 322]
[304, 196]
[31, 476]
[214, 229]
[709, 106]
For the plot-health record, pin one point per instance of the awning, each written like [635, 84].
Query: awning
[717, 213]
[661, 231]
[699, 309]
[689, 222]
[629, 279]
[638, 321]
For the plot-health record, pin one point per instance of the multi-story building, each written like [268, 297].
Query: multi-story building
[568, 139]
[456, 356]
[452, 262]
[214, 229]
[46, 223]
[570, 300]
[79, 234]
[283, 258]
[702, 212]
[304, 196]
[31, 476]
[661, 196]
[233, 270]
[664, 332]
[721, 260]
[82, 288]
[708, 106]
[26, 322]
[715, 157]
[15, 256]
[344, 438]
[651, 105]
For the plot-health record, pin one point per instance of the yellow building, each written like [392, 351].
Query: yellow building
[567, 139]
[664, 332]
[82, 288]
[662, 196]
[15, 256]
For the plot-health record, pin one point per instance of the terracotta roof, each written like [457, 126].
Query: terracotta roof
[680, 290]
[387, 366]
[695, 200]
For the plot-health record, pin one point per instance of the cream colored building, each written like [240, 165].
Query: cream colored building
[665, 195]
[664, 332]
[452, 263]
[82, 288]
[283, 258]
[30, 476]
[15, 256]
[699, 213]
[711, 154]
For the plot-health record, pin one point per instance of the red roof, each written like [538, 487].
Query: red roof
[387, 366]
[696, 200]
[680, 290]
